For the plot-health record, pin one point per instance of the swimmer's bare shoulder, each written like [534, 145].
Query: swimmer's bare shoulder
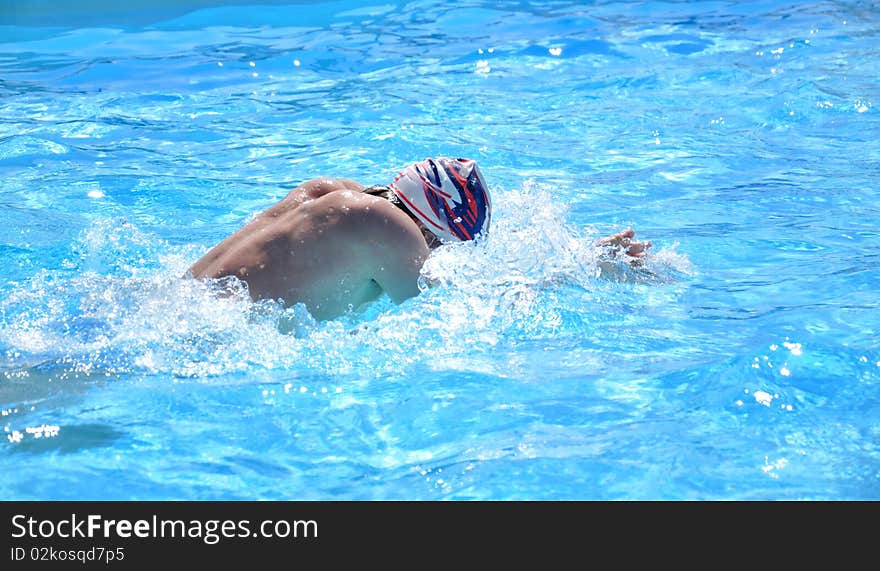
[318, 187]
[390, 248]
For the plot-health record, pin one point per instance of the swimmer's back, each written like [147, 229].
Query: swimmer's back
[207, 266]
[327, 245]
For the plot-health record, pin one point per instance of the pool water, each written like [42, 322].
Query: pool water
[742, 361]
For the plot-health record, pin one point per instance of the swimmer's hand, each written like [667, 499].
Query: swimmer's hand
[623, 242]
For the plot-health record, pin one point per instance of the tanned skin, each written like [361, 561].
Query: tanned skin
[326, 244]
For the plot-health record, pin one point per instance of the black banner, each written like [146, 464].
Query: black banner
[117, 535]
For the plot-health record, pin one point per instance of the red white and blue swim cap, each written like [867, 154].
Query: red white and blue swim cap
[449, 196]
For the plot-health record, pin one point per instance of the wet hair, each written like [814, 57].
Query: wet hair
[384, 191]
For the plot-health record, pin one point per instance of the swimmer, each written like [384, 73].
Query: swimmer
[334, 244]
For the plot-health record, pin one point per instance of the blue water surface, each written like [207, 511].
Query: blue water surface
[741, 362]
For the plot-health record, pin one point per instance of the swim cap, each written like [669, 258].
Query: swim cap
[448, 195]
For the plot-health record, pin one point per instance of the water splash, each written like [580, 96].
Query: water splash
[534, 278]
[118, 305]
[533, 244]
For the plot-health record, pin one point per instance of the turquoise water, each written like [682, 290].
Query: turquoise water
[742, 362]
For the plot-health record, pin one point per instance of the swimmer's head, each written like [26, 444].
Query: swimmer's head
[448, 196]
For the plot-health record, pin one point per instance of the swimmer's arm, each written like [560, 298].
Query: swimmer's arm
[399, 271]
[614, 254]
[393, 249]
